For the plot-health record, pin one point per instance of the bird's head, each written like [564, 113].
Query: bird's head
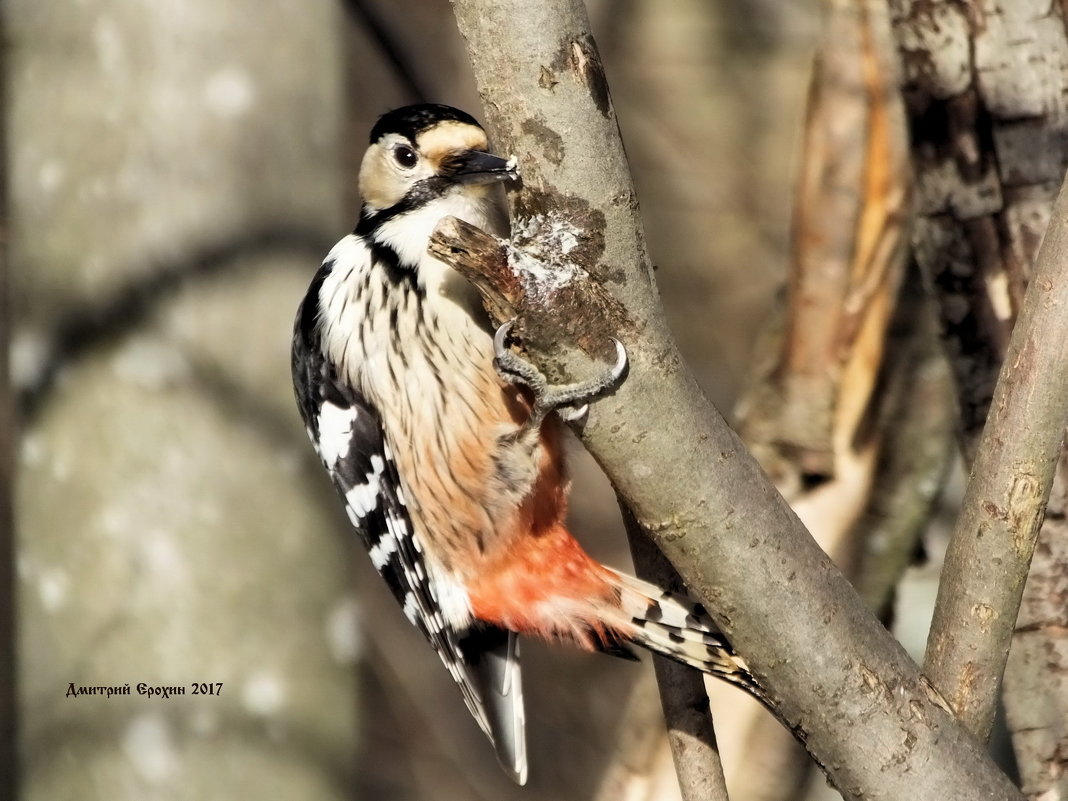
[419, 154]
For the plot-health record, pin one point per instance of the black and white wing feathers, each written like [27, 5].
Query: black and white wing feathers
[347, 434]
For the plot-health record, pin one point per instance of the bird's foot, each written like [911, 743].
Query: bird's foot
[570, 401]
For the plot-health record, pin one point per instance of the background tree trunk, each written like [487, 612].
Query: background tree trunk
[986, 87]
[174, 190]
[1036, 677]
[831, 409]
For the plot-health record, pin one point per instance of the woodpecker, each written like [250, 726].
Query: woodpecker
[443, 442]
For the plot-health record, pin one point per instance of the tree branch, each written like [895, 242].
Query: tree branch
[682, 689]
[1004, 503]
[845, 685]
[920, 419]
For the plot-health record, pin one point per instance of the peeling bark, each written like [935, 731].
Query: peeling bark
[984, 88]
[848, 248]
[816, 414]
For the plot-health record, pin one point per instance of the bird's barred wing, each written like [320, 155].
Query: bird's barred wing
[348, 436]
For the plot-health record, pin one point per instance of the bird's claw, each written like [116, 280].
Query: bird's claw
[547, 397]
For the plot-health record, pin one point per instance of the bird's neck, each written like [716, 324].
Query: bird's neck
[401, 238]
[407, 233]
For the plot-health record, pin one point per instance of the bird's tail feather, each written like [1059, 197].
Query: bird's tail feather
[492, 661]
[680, 628]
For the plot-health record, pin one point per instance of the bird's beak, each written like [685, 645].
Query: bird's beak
[479, 167]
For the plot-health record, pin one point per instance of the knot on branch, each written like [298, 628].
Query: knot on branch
[535, 280]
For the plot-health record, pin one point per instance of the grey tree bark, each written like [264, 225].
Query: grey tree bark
[732, 538]
[1036, 675]
[983, 85]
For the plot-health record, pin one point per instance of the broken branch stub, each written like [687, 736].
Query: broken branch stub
[482, 259]
[556, 303]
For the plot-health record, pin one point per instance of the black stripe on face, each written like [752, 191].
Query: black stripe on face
[371, 220]
[418, 195]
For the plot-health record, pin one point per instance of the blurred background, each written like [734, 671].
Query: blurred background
[175, 173]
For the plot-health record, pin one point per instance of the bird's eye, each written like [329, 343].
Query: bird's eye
[405, 156]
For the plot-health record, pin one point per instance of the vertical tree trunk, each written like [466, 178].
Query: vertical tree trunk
[984, 87]
[174, 170]
[816, 409]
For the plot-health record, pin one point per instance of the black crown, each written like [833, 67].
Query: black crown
[410, 121]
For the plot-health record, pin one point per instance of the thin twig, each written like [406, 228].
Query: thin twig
[920, 416]
[683, 697]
